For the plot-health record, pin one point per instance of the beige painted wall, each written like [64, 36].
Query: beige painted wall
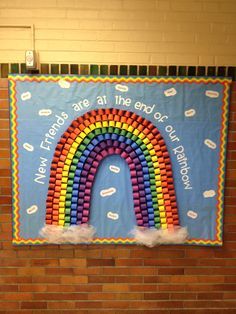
[200, 32]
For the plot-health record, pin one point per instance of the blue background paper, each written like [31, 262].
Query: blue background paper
[191, 131]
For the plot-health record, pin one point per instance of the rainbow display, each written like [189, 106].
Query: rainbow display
[91, 138]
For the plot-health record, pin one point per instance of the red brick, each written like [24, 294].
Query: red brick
[156, 279]
[5, 134]
[125, 271]
[33, 288]
[210, 296]
[156, 296]
[232, 127]
[5, 199]
[129, 262]
[14, 296]
[115, 288]
[34, 305]
[4, 153]
[9, 305]
[100, 262]
[5, 144]
[76, 262]
[199, 252]
[183, 296]
[101, 279]
[3, 94]
[210, 304]
[4, 124]
[3, 83]
[229, 192]
[171, 271]
[44, 262]
[107, 295]
[120, 304]
[4, 104]
[233, 106]
[129, 279]
[61, 296]
[87, 271]
[230, 200]
[68, 305]
[56, 253]
[172, 287]
[117, 252]
[211, 271]
[5, 172]
[46, 280]
[59, 271]
[145, 271]
[88, 288]
[229, 295]
[74, 279]
[90, 253]
[88, 305]
[8, 271]
[144, 253]
[157, 304]
[14, 280]
[144, 288]
[8, 288]
[4, 114]
[33, 271]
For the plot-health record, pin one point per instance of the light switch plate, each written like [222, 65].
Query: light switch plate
[30, 59]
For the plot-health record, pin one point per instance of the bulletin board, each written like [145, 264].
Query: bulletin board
[118, 160]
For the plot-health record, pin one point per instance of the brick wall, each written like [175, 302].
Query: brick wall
[116, 279]
[179, 32]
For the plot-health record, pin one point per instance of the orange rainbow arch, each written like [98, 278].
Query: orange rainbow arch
[92, 137]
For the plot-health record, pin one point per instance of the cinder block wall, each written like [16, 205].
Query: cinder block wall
[118, 279]
[179, 32]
